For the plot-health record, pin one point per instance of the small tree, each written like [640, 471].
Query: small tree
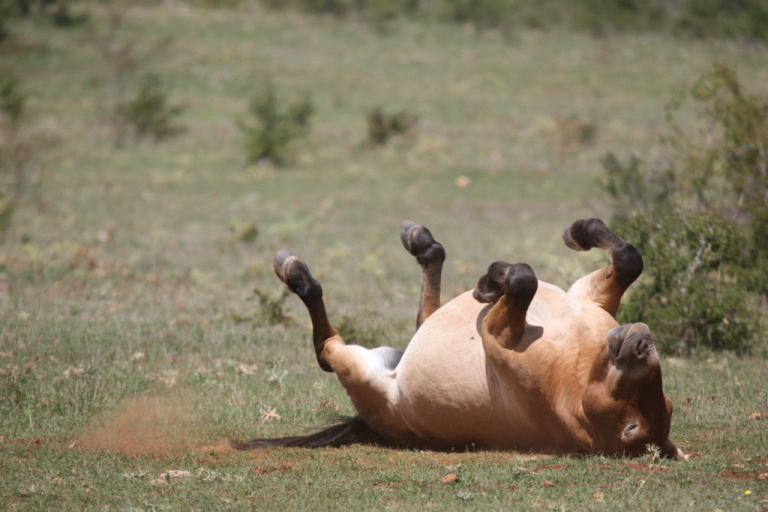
[272, 129]
[382, 126]
[127, 93]
[148, 114]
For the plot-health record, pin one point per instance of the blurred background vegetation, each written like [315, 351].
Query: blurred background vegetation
[697, 206]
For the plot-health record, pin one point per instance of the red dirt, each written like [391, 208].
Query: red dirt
[740, 475]
[552, 467]
[147, 426]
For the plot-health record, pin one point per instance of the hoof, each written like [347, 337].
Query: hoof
[293, 272]
[518, 281]
[282, 262]
[583, 235]
[419, 241]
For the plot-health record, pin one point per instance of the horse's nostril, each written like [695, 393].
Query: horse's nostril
[642, 347]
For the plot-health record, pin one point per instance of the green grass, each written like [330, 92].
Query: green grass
[130, 281]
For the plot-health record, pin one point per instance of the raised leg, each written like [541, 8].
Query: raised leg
[418, 241]
[604, 287]
[295, 274]
[511, 287]
[367, 375]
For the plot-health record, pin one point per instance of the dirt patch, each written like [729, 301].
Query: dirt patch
[551, 467]
[740, 475]
[151, 426]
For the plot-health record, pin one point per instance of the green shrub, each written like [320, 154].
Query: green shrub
[383, 126]
[148, 114]
[741, 19]
[9, 10]
[57, 12]
[699, 217]
[724, 165]
[126, 92]
[606, 16]
[690, 293]
[745, 19]
[272, 311]
[483, 14]
[365, 334]
[272, 129]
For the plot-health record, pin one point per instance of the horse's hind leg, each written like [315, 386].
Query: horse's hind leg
[418, 241]
[604, 287]
[295, 274]
[367, 375]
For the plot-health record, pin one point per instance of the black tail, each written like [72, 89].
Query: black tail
[349, 431]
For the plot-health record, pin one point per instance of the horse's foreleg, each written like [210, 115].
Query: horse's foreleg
[418, 241]
[511, 288]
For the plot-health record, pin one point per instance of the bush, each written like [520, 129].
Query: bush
[9, 10]
[690, 293]
[366, 334]
[149, 114]
[272, 130]
[383, 126]
[724, 166]
[483, 14]
[272, 311]
[127, 93]
[742, 19]
[699, 216]
[745, 19]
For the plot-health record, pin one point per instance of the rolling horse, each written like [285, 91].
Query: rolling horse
[515, 364]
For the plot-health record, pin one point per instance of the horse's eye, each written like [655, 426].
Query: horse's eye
[630, 430]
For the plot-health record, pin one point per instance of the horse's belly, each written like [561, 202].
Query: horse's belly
[448, 392]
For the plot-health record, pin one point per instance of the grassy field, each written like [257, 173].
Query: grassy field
[131, 339]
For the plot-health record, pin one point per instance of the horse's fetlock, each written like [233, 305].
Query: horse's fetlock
[435, 253]
[521, 283]
[628, 263]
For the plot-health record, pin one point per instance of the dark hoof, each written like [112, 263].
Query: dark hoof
[282, 263]
[583, 235]
[419, 241]
[293, 272]
[518, 281]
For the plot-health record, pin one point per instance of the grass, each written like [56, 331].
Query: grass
[129, 339]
